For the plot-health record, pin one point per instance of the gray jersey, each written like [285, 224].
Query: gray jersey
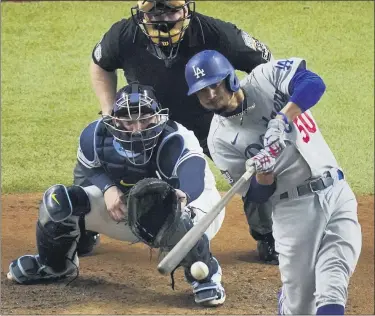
[233, 140]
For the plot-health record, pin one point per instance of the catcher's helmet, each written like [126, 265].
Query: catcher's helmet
[207, 68]
[136, 122]
[165, 34]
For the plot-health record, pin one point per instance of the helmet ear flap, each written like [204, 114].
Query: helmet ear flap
[232, 82]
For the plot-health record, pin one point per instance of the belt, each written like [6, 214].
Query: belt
[315, 185]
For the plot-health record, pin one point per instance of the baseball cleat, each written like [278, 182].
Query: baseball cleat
[87, 242]
[267, 252]
[208, 292]
[29, 270]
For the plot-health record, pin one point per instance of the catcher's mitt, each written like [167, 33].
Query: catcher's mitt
[153, 209]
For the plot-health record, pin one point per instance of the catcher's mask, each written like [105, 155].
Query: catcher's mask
[164, 22]
[136, 122]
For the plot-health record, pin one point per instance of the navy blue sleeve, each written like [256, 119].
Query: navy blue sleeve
[98, 177]
[259, 193]
[87, 143]
[191, 173]
[87, 158]
[306, 88]
[185, 168]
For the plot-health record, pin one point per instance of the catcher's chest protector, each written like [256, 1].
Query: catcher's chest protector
[124, 173]
[118, 167]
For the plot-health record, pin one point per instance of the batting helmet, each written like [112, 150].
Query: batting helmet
[210, 67]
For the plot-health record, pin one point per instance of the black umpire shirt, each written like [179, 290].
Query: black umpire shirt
[124, 47]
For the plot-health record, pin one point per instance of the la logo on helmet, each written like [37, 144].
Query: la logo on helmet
[198, 72]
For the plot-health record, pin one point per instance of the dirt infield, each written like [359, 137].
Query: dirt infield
[122, 279]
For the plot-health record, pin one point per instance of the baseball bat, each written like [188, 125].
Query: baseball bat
[182, 248]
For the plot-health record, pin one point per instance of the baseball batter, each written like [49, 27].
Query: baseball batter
[140, 165]
[314, 211]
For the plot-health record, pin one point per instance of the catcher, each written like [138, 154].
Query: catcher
[150, 183]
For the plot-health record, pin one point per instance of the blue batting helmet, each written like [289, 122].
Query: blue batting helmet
[210, 67]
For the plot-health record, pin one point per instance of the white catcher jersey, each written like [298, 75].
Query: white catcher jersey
[234, 139]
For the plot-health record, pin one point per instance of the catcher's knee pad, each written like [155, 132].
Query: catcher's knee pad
[57, 227]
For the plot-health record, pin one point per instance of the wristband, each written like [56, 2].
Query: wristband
[107, 187]
[285, 119]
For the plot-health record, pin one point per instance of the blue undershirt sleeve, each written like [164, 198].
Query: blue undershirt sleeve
[306, 88]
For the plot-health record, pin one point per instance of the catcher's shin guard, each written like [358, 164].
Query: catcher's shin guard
[57, 227]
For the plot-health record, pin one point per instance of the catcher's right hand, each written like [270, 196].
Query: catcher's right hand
[263, 162]
[116, 207]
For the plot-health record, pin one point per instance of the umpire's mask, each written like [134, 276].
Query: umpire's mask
[136, 122]
[164, 22]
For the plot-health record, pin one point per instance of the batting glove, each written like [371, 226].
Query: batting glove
[274, 139]
[263, 162]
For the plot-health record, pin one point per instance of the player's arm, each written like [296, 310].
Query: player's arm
[304, 90]
[300, 85]
[104, 84]
[263, 185]
[244, 51]
[295, 83]
[190, 172]
[87, 158]
[105, 61]
[181, 158]
[95, 173]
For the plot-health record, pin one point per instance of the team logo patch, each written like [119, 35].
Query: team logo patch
[227, 176]
[98, 52]
[255, 44]
[249, 41]
[198, 72]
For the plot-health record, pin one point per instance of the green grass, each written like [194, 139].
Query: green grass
[47, 97]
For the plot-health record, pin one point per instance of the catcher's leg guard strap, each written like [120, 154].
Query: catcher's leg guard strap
[57, 227]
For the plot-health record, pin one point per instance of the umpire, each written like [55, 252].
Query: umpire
[154, 45]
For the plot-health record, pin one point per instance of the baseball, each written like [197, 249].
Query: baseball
[199, 270]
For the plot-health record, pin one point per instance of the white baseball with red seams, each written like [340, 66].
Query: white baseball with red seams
[199, 270]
